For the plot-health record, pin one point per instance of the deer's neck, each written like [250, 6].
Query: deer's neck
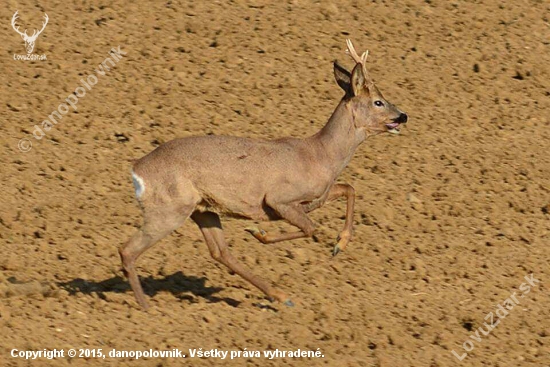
[338, 139]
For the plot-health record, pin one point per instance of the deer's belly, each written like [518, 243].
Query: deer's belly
[238, 209]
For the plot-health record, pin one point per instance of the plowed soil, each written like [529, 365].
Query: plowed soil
[451, 215]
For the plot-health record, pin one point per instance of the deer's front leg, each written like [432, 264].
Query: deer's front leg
[295, 215]
[337, 191]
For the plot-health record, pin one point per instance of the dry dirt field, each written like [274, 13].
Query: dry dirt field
[451, 215]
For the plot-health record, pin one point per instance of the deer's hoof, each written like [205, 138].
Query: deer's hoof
[258, 233]
[343, 240]
[288, 303]
[255, 231]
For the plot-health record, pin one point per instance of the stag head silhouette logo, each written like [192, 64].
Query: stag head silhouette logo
[29, 40]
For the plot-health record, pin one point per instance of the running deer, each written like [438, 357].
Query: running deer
[203, 177]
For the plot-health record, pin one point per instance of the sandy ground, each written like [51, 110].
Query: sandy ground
[450, 216]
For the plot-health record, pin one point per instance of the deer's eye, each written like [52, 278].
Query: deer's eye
[379, 103]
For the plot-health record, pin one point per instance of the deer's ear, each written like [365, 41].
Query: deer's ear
[358, 80]
[343, 77]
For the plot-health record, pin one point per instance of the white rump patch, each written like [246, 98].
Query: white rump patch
[139, 184]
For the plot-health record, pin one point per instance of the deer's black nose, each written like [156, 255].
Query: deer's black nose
[402, 119]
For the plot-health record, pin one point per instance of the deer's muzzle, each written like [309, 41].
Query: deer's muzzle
[394, 126]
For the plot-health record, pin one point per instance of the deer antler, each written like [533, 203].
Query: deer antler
[15, 26]
[358, 59]
[351, 51]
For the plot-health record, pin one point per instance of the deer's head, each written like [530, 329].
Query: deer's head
[372, 113]
[29, 40]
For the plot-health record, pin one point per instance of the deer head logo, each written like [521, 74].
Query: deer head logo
[29, 40]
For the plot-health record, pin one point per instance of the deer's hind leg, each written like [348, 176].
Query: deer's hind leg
[211, 228]
[157, 224]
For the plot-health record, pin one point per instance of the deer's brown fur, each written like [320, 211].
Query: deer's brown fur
[204, 177]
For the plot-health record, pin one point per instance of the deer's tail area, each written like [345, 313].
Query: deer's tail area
[139, 184]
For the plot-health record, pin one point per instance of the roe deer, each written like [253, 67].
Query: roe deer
[204, 177]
